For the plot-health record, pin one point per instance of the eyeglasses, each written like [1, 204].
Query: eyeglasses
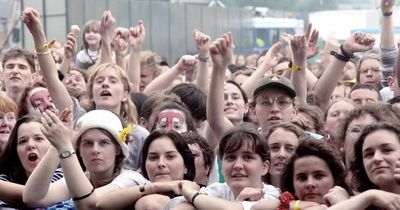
[373, 70]
[355, 131]
[282, 102]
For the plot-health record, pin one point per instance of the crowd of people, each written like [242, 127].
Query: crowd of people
[114, 126]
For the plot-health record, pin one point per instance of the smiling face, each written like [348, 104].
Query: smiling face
[17, 73]
[32, 145]
[281, 110]
[98, 152]
[108, 90]
[380, 151]
[7, 122]
[312, 179]
[234, 105]
[282, 144]
[164, 162]
[243, 168]
[93, 38]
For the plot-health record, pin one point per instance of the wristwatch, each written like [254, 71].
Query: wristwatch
[66, 154]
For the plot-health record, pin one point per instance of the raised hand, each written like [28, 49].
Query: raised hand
[187, 62]
[221, 51]
[202, 42]
[107, 22]
[70, 46]
[298, 46]
[120, 41]
[250, 194]
[313, 47]
[137, 35]
[58, 129]
[31, 18]
[387, 3]
[272, 57]
[358, 42]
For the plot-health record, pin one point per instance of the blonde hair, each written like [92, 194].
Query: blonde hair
[128, 111]
[152, 61]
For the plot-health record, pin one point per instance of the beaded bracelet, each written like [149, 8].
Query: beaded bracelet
[285, 199]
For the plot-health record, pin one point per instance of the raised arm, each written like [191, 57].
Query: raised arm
[187, 62]
[202, 42]
[57, 90]
[357, 42]
[121, 46]
[270, 60]
[70, 47]
[106, 25]
[221, 51]
[136, 38]
[388, 44]
[298, 46]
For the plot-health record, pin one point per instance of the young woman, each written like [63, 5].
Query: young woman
[91, 45]
[23, 152]
[283, 140]
[166, 160]
[245, 160]
[315, 176]
[375, 170]
[100, 148]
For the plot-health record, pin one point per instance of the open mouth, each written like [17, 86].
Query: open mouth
[32, 157]
[105, 93]
[274, 118]
[5, 131]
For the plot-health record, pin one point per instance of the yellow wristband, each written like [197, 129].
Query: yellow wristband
[297, 68]
[297, 205]
[43, 48]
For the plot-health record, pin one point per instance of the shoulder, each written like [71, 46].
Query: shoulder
[129, 178]
[271, 191]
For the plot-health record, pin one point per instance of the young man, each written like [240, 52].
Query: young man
[274, 101]
[18, 67]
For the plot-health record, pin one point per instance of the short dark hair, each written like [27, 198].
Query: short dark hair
[360, 177]
[208, 153]
[323, 151]
[20, 53]
[194, 98]
[180, 145]
[359, 86]
[243, 134]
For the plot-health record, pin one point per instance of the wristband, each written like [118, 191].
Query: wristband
[203, 59]
[386, 11]
[344, 52]
[83, 197]
[297, 205]
[42, 49]
[195, 195]
[295, 67]
[340, 57]
[285, 199]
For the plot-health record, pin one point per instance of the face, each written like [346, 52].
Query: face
[315, 69]
[234, 105]
[41, 100]
[201, 170]
[241, 60]
[243, 168]
[350, 71]
[394, 85]
[312, 179]
[370, 72]
[381, 150]
[164, 162]
[282, 144]
[146, 76]
[336, 113]
[108, 90]
[171, 119]
[17, 73]
[98, 152]
[364, 96]
[273, 106]
[75, 81]
[7, 122]
[93, 39]
[352, 133]
[32, 145]
[338, 92]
